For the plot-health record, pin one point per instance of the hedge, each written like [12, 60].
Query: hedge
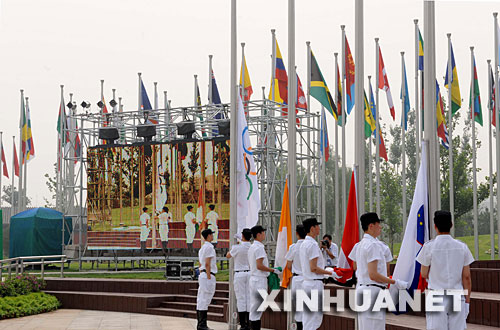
[30, 304]
[21, 285]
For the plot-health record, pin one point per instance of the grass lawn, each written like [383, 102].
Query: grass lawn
[222, 275]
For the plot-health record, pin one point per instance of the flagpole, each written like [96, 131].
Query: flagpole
[490, 154]
[156, 95]
[273, 63]
[417, 108]
[12, 207]
[232, 324]
[195, 101]
[21, 154]
[210, 101]
[60, 142]
[474, 179]
[323, 172]
[497, 114]
[403, 138]
[242, 85]
[270, 128]
[139, 97]
[309, 201]
[167, 115]
[359, 105]
[429, 103]
[377, 127]
[292, 91]
[26, 152]
[1, 167]
[370, 161]
[450, 136]
[337, 195]
[344, 114]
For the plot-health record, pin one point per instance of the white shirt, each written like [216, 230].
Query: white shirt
[207, 250]
[293, 255]
[212, 218]
[335, 251]
[387, 251]
[163, 218]
[257, 251]
[367, 250]
[308, 251]
[447, 258]
[240, 254]
[188, 218]
[144, 218]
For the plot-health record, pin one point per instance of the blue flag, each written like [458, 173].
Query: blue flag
[404, 84]
[324, 143]
[146, 105]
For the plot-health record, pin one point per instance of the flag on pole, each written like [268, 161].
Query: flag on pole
[350, 236]
[474, 93]
[145, 105]
[338, 90]
[456, 99]
[349, 77]
[24, 132]
[62, 127]
[247, 85]
[248, 200]
[30, 152]
[492, 100]
[406, 95]
[5, 171]
[383, 83]
[370, 124]
[416, 234]
[420, 51]
[381, 147]
[319, 89]
[442, 131]
[324, 143]
[301, 97]
[284, 238]
[16, 161]
[280, 79]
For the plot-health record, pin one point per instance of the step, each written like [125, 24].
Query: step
[192, 299]
[217, 317]
[182, 306]
[218, 293]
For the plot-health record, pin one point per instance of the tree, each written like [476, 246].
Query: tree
[7, 193]
[51, 186]
[390, 191]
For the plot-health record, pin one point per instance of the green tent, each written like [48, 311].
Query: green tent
[37, 232]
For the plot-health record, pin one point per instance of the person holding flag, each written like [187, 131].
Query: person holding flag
[190, 220]
[450, 260]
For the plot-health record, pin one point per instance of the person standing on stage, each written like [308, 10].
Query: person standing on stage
[144, 219]
[190, 220]
[206, 280]
[293, 264]
[211, 219]
[259, 270]
[330, 251]
[313, 272]
[241, 277]
[446, 263]
[164, 220]
[371, 270]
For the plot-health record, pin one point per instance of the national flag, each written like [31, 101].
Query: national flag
[198, 105]
[349, 77]
[16, 161]
[420, 51]
[248, 199]
[216, 101]
[280, 79]
[382, 149]
[284, 238]
[23, 125]
[200, 211]
[370, 124]
[478, 113]
[247, 85]
[78, 145]
[319, 89]
[350, 236]
[498, 43]
[5, 171]
[62, 129]
[145, 106]
[301, 102]
[406, 96]
[338, 90]
[383, 83]
[442, 131]
[30, 152]
[492, 99]
[416, 234]
[324, 143]
[456, 99]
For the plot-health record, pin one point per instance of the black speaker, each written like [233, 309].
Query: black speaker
[224, 127]
[146, 131]
[173, 269]
[109, 134]
[186, 128]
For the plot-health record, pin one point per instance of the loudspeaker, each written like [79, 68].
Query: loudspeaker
[186, 128]
[110, 134]
[224, 127]
[146, 131]
[173, 269]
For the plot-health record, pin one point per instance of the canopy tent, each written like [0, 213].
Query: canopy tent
[37, 232]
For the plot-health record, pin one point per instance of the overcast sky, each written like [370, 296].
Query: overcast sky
[78, 42]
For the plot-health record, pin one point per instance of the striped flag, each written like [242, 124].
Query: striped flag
[5, 171]
[247, 84]
[284, 238]
[456, 99]
[16, 162]
[280, 79]
[492, 100]
[474, 94]
[383, 83]
[349, 77]
[324, 143]
[30, 152]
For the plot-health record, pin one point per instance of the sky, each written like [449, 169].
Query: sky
[76, 43]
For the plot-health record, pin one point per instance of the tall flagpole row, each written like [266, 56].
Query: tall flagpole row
[417, 104]
[474, 176]
[343, 116]
[377, 125]
[450, 136]
[336, 152]
[370, 162]
[490, 158]
[403, 138]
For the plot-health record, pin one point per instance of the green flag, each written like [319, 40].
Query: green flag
[319, 89]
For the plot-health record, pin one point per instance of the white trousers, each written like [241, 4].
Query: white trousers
[164, 232]
[144, 233]
[448, 319]
[241, 290]
[256, 283]
[215, 229]
[369, 320]
[190, 231]
[206, 290]
[297, 285]
[312, 320]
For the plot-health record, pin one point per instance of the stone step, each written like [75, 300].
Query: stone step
[182, 306]
[218, 293]
[217, 317]
[192, 299]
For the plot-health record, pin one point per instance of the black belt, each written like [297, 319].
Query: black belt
[204, 271]
[241, 271]
[375, 285]
[295, 274]
[319, 279]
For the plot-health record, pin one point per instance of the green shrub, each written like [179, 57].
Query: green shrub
[21, 285]
[30, 304]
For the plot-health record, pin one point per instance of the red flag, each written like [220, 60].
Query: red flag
[5, 172]
[383, 83]
[382, 149]
[16, 162]
[301, 99]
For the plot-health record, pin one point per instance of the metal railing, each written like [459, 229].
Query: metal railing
[20, 263]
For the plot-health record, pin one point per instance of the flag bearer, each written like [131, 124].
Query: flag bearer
[371, 271]
[446, 263]
[293, 264]
[211, 219]
[145, 221]
[241, 277]
[259, 270]
[313, 272]
[164, 220]
[206, 280]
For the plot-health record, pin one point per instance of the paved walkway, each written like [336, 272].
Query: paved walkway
[77, 319]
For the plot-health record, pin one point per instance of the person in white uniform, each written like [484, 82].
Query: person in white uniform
[206, 280]
[446, 263]
[145, 221]
[313, 272]
[241, 277]
[190, 220]
[293, 264]
[259, 270]
[330, 251]
[211, 219]
[163, 221]
[371, 270]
